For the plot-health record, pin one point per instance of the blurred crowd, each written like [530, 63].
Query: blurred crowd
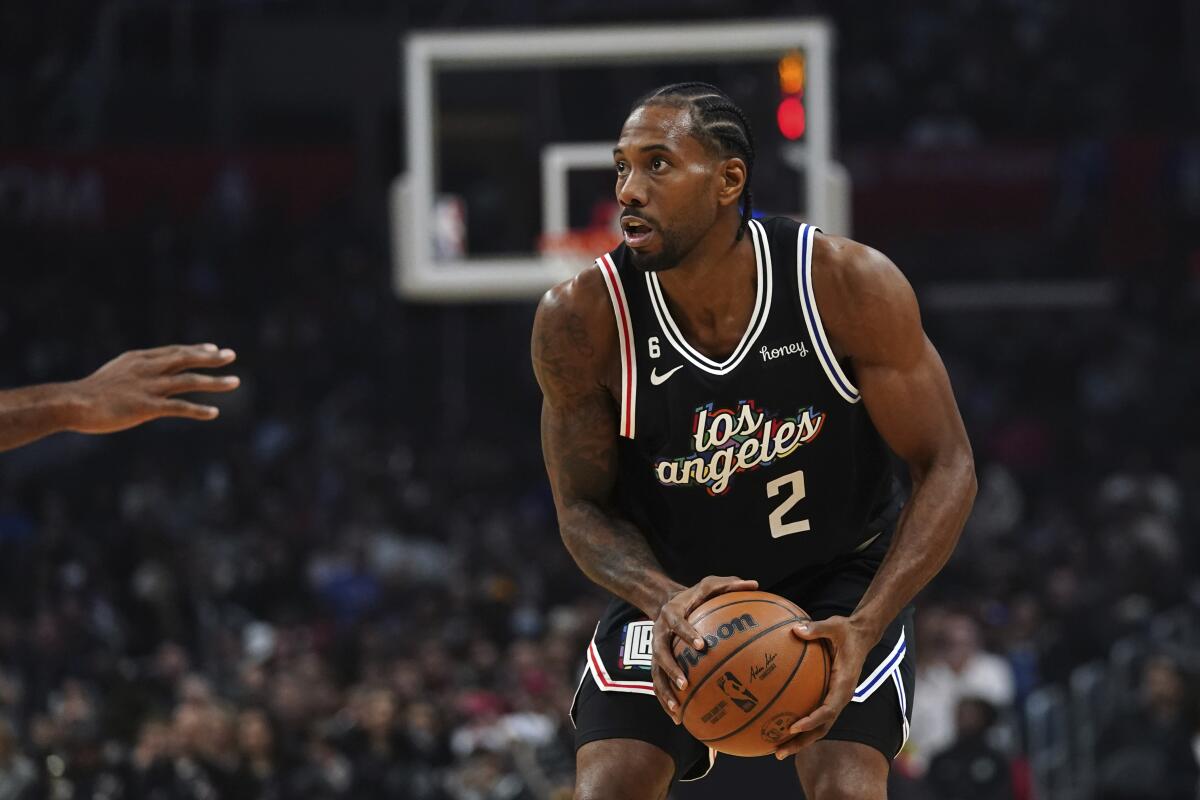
[944, 72]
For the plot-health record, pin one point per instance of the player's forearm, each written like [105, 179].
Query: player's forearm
[614, 554]
[32, 412]
[926, 535]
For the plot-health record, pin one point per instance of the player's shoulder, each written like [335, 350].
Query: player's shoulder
[866, 302]
[779, 229]
[850, 271]
[584, 295]
[574, 340]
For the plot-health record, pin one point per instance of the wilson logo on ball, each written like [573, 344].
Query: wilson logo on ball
[690, 658]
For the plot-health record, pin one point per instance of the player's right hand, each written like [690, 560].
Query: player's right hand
[140, 385]
[671, 623]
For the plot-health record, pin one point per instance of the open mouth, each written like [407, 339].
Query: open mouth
[637, 231]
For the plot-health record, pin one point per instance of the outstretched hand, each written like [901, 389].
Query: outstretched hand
[850, 644]
[140, 385]
[671, 623]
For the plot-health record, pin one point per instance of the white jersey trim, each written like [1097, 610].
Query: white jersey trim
[764, 293]
[812, 318]
[625, 343]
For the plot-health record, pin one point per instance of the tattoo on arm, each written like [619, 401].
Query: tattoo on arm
[579, 445]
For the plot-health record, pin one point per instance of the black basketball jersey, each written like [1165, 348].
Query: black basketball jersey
[764, 465]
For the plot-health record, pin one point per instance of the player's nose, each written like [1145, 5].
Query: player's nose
[631, 193]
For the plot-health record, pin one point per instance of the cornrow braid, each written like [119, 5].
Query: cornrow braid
[718, 123]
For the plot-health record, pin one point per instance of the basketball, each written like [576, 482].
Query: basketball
[754, 678]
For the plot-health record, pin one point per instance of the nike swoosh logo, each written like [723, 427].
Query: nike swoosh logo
[657, 379]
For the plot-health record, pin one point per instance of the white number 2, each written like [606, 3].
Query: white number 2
[778, 526]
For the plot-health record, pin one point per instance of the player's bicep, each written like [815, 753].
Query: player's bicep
[579, 417]
[579, 445]
[900, 375]
[912, 405]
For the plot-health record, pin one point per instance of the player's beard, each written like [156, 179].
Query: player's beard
[670, 253]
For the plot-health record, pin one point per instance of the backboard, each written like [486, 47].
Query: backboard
[509, 187]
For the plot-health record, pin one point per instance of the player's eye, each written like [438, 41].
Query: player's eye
[620, 167]
[657, 164]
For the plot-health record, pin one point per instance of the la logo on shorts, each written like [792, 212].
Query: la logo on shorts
[636, 645]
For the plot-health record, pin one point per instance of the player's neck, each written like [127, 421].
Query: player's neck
[711, 292]
[718, 264]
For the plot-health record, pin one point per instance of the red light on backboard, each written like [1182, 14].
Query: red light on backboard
[791, 117]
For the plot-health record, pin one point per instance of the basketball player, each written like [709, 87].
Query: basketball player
[135, 387]
[720, 396]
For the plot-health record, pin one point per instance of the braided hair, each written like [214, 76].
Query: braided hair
[718, 123]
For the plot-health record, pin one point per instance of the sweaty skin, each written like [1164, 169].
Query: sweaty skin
[873, 323]
[133, 388]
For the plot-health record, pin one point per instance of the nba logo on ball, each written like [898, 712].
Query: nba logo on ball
[740, 695]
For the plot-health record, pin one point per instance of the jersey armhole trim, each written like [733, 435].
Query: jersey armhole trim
[812, 318]
[620, 305]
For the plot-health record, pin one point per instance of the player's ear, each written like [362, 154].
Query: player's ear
[732, 174]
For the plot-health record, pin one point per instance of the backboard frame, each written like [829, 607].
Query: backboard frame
[419, 275]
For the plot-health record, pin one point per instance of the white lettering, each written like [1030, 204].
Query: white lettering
[772, 353]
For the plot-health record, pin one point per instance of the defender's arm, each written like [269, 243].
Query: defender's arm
[135, 387]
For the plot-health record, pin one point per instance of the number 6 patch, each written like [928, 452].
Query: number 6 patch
[636, 645]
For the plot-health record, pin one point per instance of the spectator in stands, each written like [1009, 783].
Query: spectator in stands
[1145, 753]
[971, 768]
[18, 775]
[957, 668]
[260, 772]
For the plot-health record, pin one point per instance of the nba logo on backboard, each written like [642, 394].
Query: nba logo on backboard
[636, 652]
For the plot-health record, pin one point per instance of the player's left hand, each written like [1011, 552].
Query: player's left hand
[851, 642]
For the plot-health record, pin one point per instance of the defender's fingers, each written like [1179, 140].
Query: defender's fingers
[178, 358]
[182, 408]
[195, 382]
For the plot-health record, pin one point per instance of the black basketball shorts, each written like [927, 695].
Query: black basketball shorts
[615, 698]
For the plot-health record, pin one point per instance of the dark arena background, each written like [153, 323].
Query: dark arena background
[351, 584]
